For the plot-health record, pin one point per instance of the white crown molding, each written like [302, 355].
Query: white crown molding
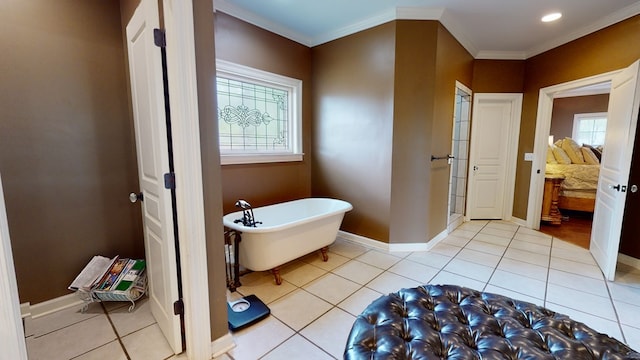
[456, 30]
[379, 19]
[414, 13]
[259, 21]
[600, 24]
[501, 55]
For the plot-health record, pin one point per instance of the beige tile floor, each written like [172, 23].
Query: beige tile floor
[313, 310]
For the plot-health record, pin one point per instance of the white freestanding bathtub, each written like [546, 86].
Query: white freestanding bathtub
[287, 231]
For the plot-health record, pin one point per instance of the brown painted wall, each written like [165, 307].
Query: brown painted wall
[390, 92]
[609, 49]
[413, 119]
[498, 76]
[66, 148]
[248, 45]
[565, 108]
[453, 63]
[353, 126]
[211, 171]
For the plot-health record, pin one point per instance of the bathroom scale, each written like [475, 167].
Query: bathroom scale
[246, 311]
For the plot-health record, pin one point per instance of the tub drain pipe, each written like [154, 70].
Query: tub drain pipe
[232, 240]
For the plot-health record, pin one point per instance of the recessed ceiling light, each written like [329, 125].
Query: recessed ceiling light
[551, 17]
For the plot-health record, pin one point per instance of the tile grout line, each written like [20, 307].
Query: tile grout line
[440, 269]
[124, 349]
[298, 332]
[500, 260]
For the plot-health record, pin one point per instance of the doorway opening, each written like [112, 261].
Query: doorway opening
[577, 127]
[459, 155]
[543, 131]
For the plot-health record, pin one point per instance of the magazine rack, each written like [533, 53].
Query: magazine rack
[117, 279]
[132, 294]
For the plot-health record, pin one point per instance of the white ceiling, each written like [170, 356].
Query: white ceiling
[488, 29]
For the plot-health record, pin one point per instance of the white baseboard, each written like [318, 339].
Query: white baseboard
[407, 247]
[222, 344]
[363, 240]
[437, 239]
[50, 306]
[403, 247]
[519, 221]
[25, 310]
[453, 224]
[628, 260]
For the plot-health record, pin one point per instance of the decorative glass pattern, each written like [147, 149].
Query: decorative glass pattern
[252, 117]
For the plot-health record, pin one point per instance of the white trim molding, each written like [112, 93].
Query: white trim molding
[293, 87]
[628, 260]
[183, 100]
[424, 13]
[363, 240]
[397, 247]
[12, 332]
[541, 142]
[512, 148]
[50, 306]
[221, 345]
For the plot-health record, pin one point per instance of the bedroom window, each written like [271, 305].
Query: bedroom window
[590, 128]
[259, 115]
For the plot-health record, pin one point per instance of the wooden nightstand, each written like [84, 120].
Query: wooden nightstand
[550, 211]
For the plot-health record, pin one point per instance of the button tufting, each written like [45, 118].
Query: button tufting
[472, 330]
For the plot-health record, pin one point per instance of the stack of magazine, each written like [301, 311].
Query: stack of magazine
[116, 279]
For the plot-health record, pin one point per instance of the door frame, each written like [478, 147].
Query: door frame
[512, 149]
[183, 99]
[184, 106]
[459, 86]
[13, 341]
[541, 141]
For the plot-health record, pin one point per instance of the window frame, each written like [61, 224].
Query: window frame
[293, 86]
[586, 116]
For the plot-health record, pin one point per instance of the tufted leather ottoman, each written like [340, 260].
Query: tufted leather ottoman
[451, 322]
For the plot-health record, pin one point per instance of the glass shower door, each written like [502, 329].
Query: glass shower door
[460, 153]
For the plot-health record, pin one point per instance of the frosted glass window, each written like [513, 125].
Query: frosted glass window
[589, 128]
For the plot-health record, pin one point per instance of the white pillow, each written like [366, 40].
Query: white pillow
[561, 156]
[573, 150]
[550, 158]
[589, 157]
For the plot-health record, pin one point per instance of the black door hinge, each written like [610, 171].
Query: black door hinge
[170, 180]
[178, 307]
[159, 38]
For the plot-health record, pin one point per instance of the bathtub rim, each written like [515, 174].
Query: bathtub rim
[229, 218]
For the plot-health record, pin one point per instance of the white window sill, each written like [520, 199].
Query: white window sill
[258, 158]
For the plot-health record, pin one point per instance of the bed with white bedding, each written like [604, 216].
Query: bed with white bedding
[578, 190]
[580, 167]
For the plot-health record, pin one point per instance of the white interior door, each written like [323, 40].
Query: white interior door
[492, 143]
[614, 169]
[145, 65]
[12, 332]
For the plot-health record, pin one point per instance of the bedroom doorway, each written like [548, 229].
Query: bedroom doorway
[578, 118]
[543, 131]
[615, 165]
